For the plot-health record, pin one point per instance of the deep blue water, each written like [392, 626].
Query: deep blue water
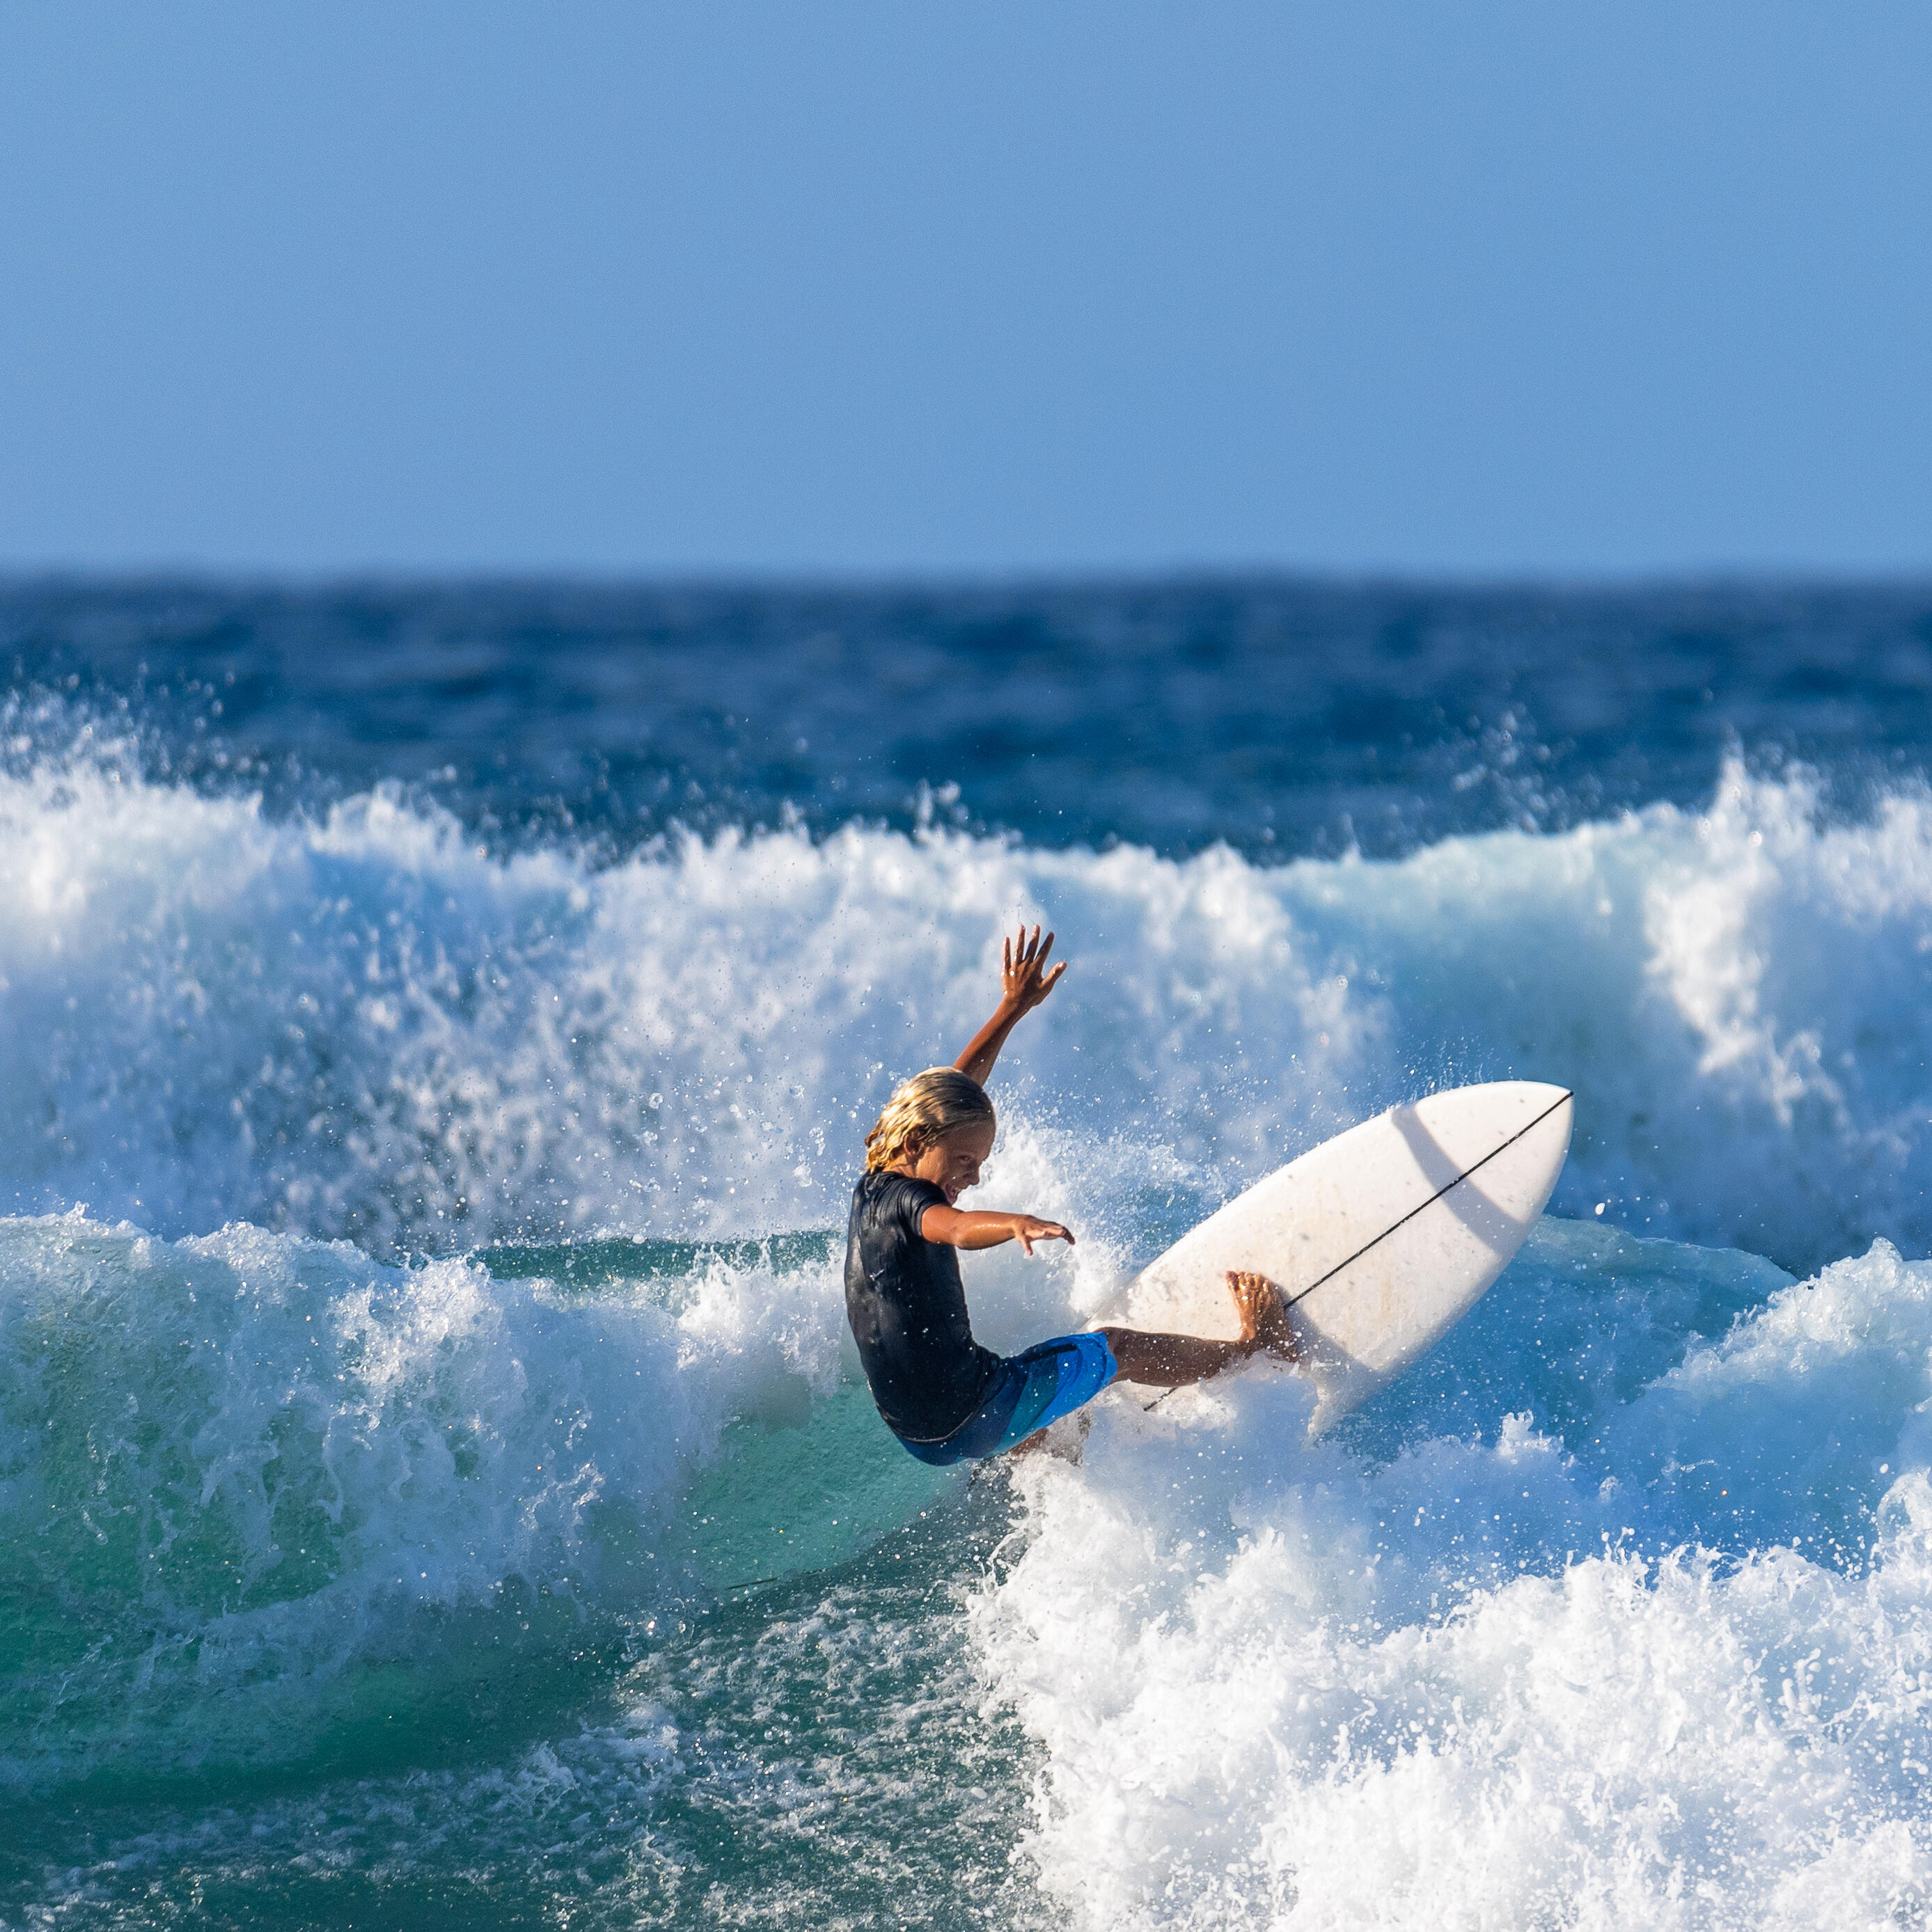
[1281, 719]
[440, 1022]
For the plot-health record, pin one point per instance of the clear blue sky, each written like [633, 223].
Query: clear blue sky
[893, 285]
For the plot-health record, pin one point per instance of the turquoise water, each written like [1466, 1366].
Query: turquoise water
[557, 1648]
[435, 1486]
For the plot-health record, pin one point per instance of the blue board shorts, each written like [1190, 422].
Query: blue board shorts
[1037, 1386]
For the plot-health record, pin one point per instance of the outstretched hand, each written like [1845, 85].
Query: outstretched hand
[1027, 1229]
[984, 1229]
[1024, 979]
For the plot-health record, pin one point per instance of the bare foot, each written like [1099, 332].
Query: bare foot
[1264, 1320]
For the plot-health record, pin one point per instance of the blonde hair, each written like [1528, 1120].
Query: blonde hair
[930, 1104]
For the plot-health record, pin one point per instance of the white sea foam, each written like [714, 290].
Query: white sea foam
[252, 1484]
[361, 1025]
[1614, 1614]
[1498, 1681]
[246, 1463]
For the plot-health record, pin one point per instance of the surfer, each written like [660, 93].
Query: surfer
[944, 1396]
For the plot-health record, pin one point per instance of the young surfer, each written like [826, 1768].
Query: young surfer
[945, 1397]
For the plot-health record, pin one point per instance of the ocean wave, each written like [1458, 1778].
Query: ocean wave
[360, 1024]
[1674, 1670]
[1613, 1609]
[265, 1500]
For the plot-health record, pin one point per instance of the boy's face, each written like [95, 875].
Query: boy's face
[952, 1162]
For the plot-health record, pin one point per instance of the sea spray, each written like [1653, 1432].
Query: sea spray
[359, 1023]
[1677, 1673]
[346, 1600]
[261, 1498]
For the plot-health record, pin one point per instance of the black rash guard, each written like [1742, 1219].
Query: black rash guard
[908, 1311]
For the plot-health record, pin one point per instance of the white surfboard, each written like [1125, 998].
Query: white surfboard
[1380, 1240]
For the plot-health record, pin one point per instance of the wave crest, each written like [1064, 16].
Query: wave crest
[362, 1024]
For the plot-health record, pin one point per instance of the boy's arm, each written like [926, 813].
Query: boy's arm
[950, 1228]
[1024, 983]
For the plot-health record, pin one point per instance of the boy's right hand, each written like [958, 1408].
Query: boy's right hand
[1024, 979]
[1026, 1231]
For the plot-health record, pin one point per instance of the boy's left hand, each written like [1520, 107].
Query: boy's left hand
[1024, 979]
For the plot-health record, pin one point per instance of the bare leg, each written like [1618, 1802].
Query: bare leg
[1170, 1361]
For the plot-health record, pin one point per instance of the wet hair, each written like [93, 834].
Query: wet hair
[929, 1106]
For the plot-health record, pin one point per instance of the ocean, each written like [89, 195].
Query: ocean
[439, 1023]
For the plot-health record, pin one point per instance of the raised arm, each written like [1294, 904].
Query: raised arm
[1024, 983]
